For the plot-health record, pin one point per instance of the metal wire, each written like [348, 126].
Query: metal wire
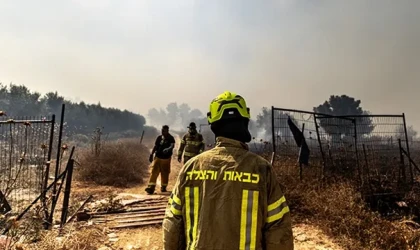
[382, 166]
[286, 149]
[415, 153]
[24, 143]
[362, 148]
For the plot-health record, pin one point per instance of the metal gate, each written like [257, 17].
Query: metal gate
[25, 154]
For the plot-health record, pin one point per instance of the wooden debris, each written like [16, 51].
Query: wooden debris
[140, 211]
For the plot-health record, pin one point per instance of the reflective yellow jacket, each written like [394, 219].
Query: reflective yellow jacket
[191, 145]
[227, 198]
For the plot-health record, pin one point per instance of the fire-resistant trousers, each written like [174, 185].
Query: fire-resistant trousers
[162, 167]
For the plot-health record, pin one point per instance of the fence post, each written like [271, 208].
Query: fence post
[301, 143]
[273, 130]
[408, 150]
[57, 164]
[357, 152]
[402, 162]
[67, 191]
[367, 168]
[55, 198]
[47, 172]
[141, 138]
[320, 148]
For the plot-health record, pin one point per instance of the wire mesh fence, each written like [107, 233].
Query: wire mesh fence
[24, 153]
[415, 155]
[338, 143]
[380, 142]
[366, 149]
[284, 144]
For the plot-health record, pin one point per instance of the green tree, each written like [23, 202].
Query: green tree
[18, 102]
[343, 106]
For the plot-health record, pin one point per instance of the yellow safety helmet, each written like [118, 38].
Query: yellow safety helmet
[227, 105]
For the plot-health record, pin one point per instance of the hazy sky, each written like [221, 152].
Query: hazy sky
[139, 54]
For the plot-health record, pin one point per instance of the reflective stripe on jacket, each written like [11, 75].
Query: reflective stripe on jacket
[191, 145]
[227, 198]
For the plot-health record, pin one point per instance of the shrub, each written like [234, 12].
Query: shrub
[117, 163]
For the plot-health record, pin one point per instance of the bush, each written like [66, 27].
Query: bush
[118, 163]
[339, 210]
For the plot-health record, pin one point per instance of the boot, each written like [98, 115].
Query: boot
[163, 189]
[150, 189]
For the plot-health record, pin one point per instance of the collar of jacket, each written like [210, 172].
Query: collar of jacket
[226, 142]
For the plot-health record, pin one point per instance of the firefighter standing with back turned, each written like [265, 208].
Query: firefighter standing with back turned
[192, 144]
[161, 163]
[228, 197]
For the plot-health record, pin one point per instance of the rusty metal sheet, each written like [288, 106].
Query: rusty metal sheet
[138, 224]
[138, 212]
[134, 209]
[128, 216]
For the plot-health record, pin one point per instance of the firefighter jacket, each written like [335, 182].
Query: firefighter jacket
[227, 198]
[191, 145]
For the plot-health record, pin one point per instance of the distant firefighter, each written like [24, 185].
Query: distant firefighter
[161, 163]
[192, 144]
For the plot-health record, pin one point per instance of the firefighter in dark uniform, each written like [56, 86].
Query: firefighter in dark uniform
[161, 163]
[192, 144]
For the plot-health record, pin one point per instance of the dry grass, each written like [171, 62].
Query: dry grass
[120, 164]
[339, 210]
[74, 238]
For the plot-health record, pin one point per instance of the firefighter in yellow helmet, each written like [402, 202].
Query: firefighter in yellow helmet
[192, 144]
[228, 197]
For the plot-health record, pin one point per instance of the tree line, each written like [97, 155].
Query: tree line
[179, 116]
[81, 118]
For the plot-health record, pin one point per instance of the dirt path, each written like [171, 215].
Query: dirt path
[306, 236]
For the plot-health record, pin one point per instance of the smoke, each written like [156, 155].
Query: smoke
[177, 117]
[287, 53]
[295, 54]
